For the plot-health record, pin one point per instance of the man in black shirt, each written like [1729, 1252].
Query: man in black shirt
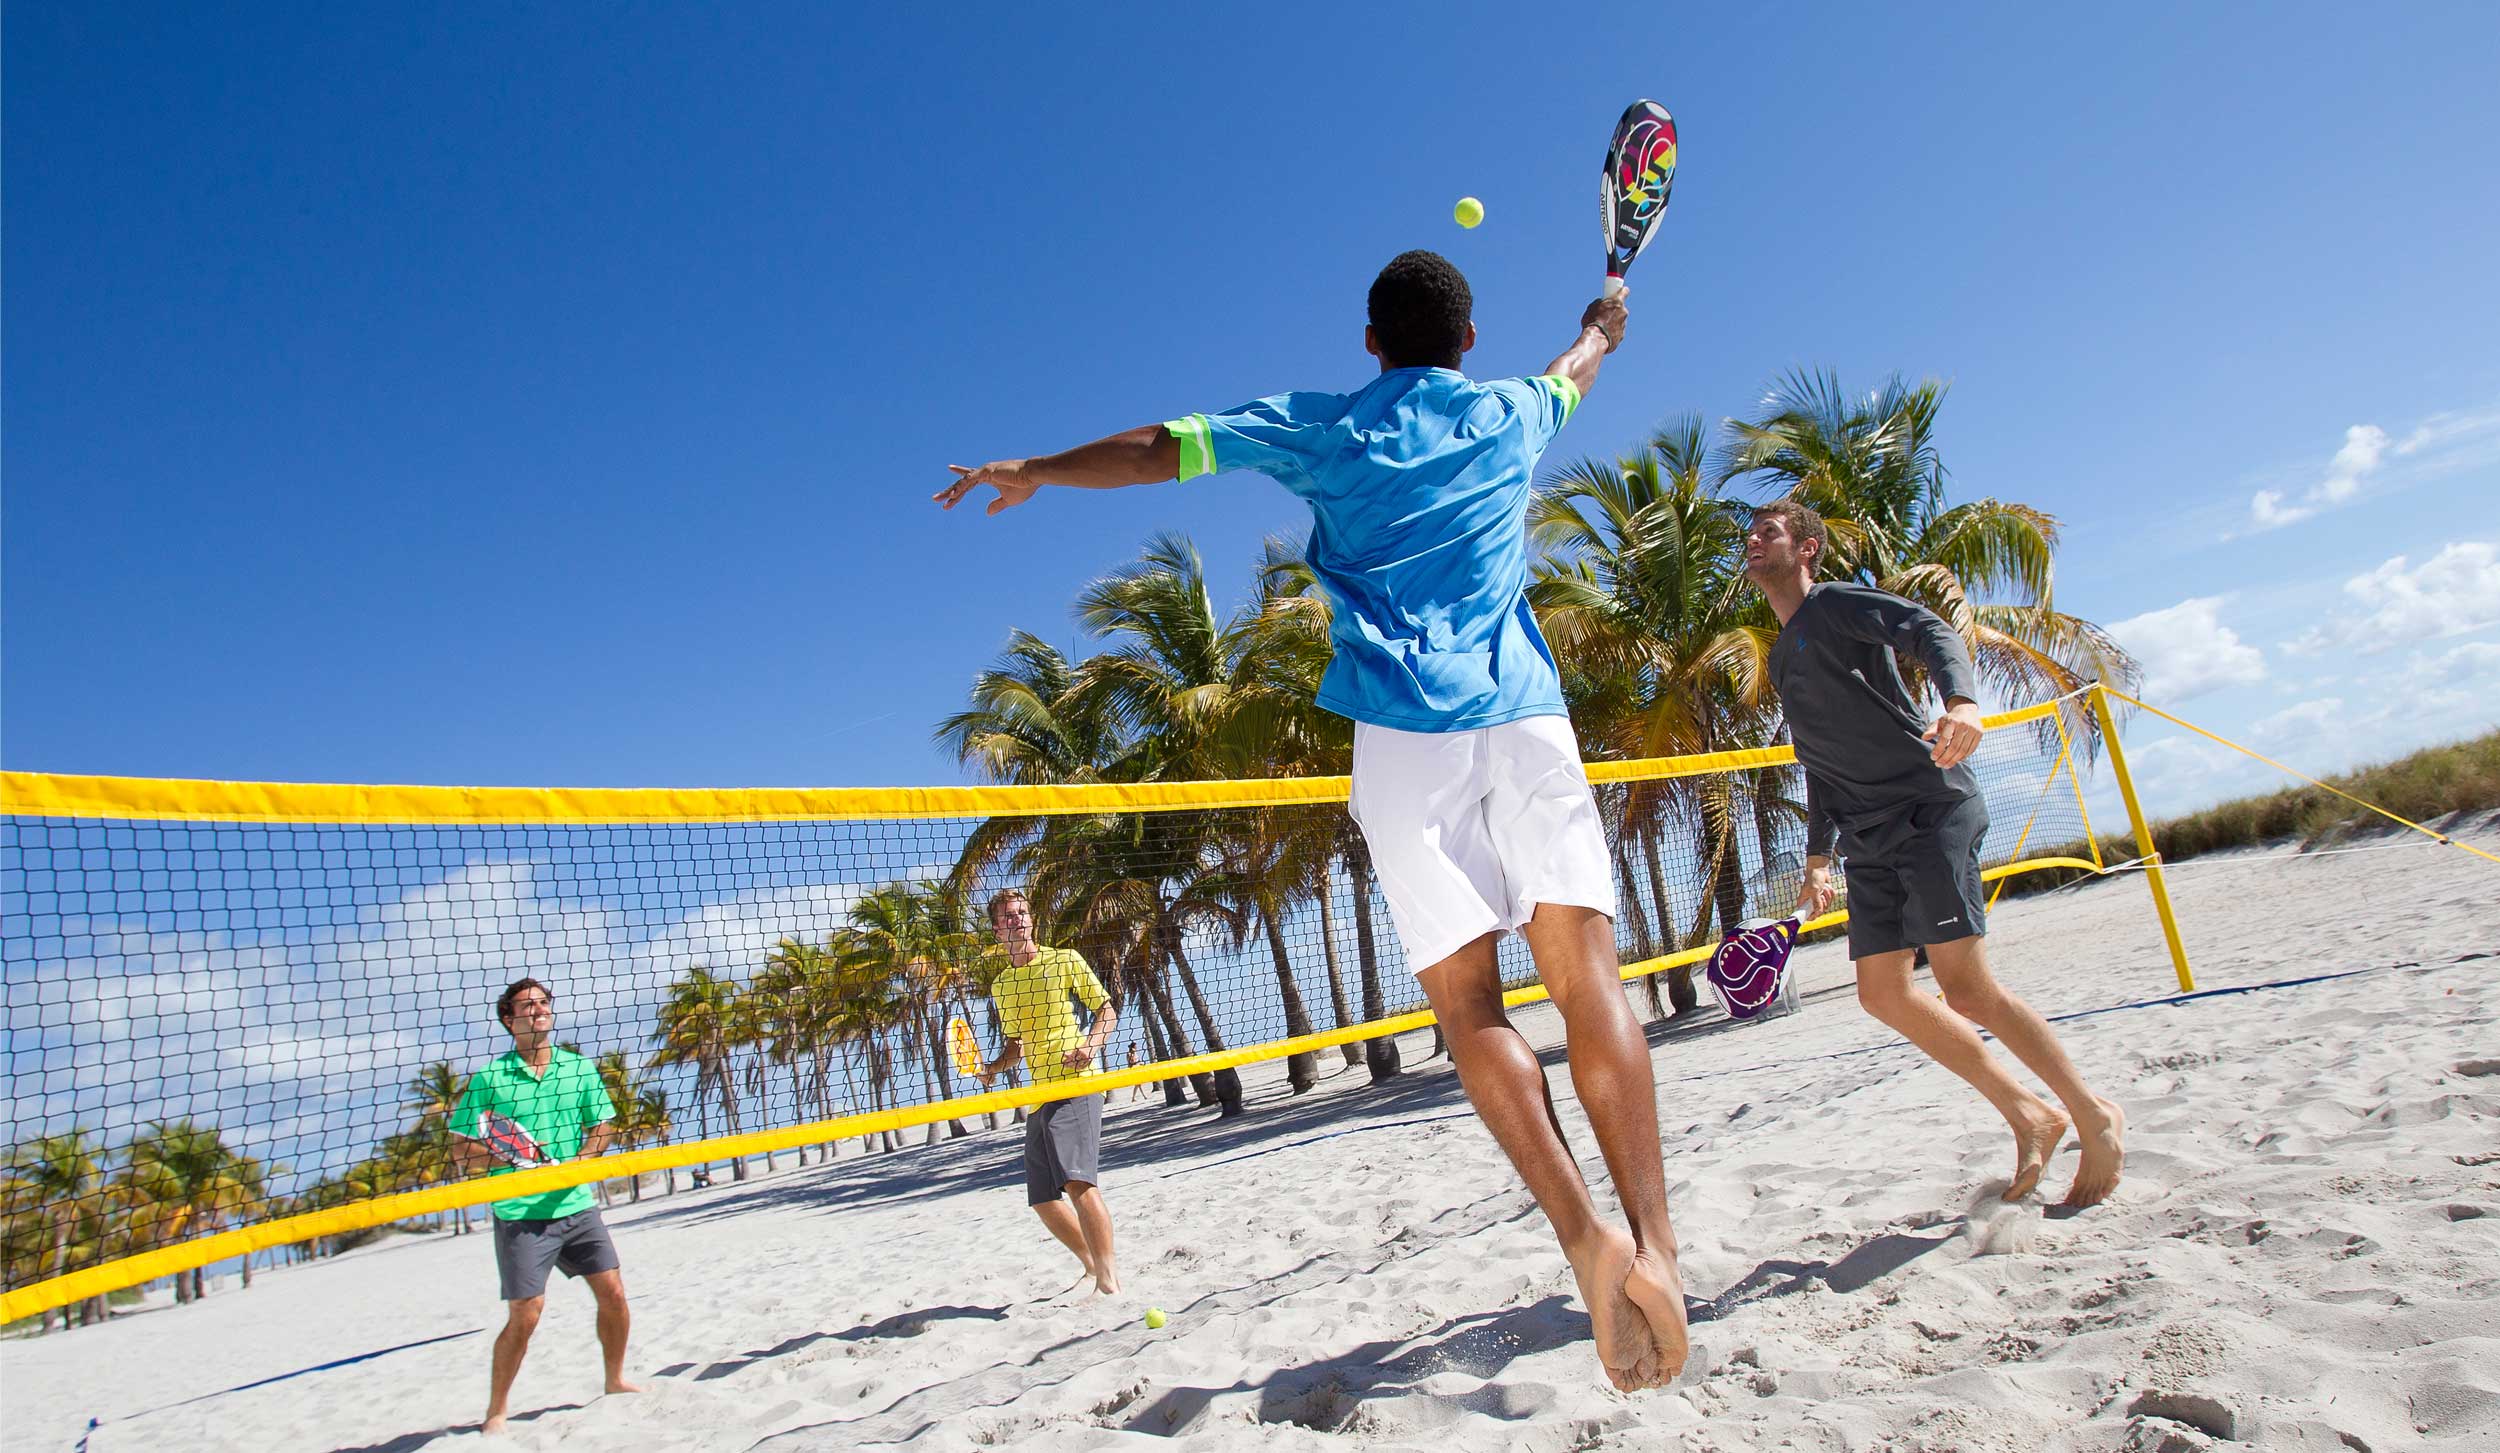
[1900, 796]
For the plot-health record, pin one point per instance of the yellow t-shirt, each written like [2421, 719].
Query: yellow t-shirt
[1033, 1008]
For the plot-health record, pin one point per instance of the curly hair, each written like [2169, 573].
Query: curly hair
[1420, 309]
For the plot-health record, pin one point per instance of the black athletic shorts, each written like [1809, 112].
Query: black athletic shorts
[1914, 878]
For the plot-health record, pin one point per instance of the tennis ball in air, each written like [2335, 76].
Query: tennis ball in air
[1469, 212]
[1154, 1317]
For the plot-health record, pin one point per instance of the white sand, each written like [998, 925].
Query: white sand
[2304, 1255]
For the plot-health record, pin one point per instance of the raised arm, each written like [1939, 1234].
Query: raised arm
[1144, 455]
[1601, 333]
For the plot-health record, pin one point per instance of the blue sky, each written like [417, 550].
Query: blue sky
[489, 396]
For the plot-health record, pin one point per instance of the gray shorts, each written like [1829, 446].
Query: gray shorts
[1062, 1143]
[525, 1250]
[1914, 878]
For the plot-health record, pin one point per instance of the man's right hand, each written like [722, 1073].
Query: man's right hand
[1815, 894]
[1010, 477]
[1608, 316]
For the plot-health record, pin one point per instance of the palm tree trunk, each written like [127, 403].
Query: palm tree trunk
[1727, 865]
[1202, 1085]
[1644, 947]
[1301, 1070]
[1226, 1083]
[1174, 1095]
[941, 1077]
[1680, 991]
[1336, 978]
[1380, 1053]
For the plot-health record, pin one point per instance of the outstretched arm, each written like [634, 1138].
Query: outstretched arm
[1147, 455]
[1601, 333]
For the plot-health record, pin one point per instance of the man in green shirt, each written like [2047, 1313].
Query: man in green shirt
[537, 1105]
[1063, 1139]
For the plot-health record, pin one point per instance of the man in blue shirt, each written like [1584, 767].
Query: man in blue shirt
[1467, 779]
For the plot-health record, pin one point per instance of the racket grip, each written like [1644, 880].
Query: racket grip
[1615, 287]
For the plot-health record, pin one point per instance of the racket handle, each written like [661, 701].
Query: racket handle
[1615, 287]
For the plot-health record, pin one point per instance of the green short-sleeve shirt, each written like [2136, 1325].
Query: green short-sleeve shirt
[558, 1109]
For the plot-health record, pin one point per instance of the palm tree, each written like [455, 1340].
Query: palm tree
[54, 1182]
[1027, 723]
[915, 936]
[180, 1180]
[701, 1025]
[433, 1095]
[1286, 649]
[865, 1005]
[1640, 589]
[1262, 865]
[641, 1110]
[1869, 465]
[797, 987]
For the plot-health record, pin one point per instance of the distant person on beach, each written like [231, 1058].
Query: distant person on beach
[561, 1109]
[1137, 1091]
[1062, 1139]
[1905, 808]
[1467, 778]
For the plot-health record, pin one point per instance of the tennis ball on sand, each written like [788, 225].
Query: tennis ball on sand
[1154, 1317]
[1469, 212]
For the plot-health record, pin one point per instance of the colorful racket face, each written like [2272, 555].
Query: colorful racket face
[1751, 966]
[508, 1142]
[965, 1049]
[1640, 172]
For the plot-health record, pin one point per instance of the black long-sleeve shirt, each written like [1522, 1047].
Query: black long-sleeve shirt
[1857, 729]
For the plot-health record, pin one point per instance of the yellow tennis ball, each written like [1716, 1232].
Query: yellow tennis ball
[1469, 212]
[1154, 1317]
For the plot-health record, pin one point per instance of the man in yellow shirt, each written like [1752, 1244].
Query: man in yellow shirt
[1062, 1139]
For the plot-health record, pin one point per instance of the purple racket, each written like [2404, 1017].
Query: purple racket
[1750, 974]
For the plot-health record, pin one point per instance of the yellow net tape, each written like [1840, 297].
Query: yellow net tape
[140, 901]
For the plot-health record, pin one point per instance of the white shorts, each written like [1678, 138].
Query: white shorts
[1470, 831]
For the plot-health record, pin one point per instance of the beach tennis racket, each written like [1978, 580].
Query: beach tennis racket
[1749, 972]
[965, 1049]
[506, 1141]
[1640, 171]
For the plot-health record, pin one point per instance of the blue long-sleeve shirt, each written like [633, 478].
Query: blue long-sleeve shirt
[1858, 731]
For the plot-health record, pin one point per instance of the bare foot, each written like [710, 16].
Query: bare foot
[2036, 1138]
[2104, 1156]
[493, 1427]
[618, 1384]
[1656, 1287]
[1625, 1346]
[1107, 1284]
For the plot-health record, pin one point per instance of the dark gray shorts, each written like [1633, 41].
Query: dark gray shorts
[1062, 1143]
[1914, 878]
[525, 1250]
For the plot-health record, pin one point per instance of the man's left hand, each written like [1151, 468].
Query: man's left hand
[1078, 1058]
[1955, 735]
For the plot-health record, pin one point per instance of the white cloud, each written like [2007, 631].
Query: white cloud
[2398, 603]
[2269, 512]
[2186, 650]
[2365, 448]
[2303, 720]
[2464, 437]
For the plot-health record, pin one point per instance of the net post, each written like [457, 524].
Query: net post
[2143, 837]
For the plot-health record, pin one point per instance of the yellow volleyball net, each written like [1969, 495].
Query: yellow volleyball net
[242, 1016]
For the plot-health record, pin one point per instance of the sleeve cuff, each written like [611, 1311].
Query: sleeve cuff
[1563, 389]
[1197, 445]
